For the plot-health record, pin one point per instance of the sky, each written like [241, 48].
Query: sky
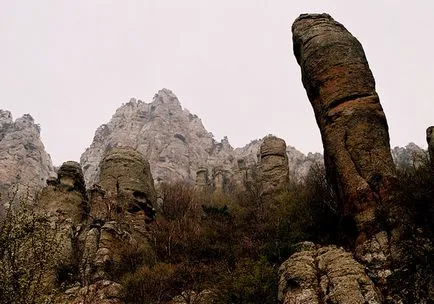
[71, 64]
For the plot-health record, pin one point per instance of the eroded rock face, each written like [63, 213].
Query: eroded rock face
[176, 144]
[173, 140]
[328, 274]
[64, 202]
[273, 166]
[358, 161]
[24, 164]
[125, 186]
[341, 89]
[202, 181]
[121, 207]
[430, 141]
[125, 170]
[100, 292]
[65, 197]
[409, 156]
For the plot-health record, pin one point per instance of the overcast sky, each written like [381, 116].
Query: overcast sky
[71, 64]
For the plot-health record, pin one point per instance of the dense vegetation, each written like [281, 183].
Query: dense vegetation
[228, 245]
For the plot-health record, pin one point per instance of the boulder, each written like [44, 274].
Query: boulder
[326, 274]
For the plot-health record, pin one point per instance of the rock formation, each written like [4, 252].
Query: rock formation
[202, 181]
[273, 166]
[409, 156]
[121, 205]
[125, 172]
[66, 195]
[359, 165]
[24, 164]
[64, 202]
[325, 275]
[94, 228]
[341, 89]
[173, 140]
[430, 141]
[177, 145]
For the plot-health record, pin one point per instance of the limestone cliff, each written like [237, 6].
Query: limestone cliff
[24, 164]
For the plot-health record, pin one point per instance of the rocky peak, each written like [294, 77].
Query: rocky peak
[408, 156]
[24, 164]
[177, 145]
[174, 141]
[5, 117]
[165, 96]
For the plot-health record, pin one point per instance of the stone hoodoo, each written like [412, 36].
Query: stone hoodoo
[71, 175]
[125, 174]
[430, 141]
[64, 202]
[341, 89]
[121, 207]
[273, 166]
[65, 197]
[202, 181]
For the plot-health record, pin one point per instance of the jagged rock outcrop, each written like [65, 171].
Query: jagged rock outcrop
[273, 166]
[64, 202]
[100, 292]
[409, 156]
[24, 164]
[204, 297]
[177, 145]
[173, 140]
[328, 274]
[341, 89]
[65, 197]
[121, 205]
[430, 141]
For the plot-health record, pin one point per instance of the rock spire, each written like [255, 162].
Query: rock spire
[341, 89]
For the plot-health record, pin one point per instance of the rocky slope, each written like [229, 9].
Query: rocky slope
[24, 164]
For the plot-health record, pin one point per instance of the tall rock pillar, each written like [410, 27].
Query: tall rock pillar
[341, 89]
[273, 166]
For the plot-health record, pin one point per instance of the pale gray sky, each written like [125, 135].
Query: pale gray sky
[71, 64]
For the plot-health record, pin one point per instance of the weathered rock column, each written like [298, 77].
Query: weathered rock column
[202, 181]
[341, 89]
[430, 141]
[273, 166]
